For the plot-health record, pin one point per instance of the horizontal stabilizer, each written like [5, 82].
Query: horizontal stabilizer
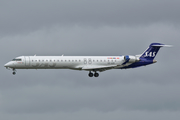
[162, 45]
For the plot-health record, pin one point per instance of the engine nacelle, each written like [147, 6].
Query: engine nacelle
[131, 59]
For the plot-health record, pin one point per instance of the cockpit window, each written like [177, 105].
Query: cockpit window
[17, 60]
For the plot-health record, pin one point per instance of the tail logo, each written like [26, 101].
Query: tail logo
[151, 54]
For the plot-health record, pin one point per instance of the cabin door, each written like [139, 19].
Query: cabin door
[27, 62]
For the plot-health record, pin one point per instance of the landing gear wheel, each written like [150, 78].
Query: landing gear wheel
[90, 74]
[14, 73]
[96, 74]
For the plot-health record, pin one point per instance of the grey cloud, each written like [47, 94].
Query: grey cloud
[151, 88]
[20, 16]
[90, 28]
[87, 114]
[136, 96]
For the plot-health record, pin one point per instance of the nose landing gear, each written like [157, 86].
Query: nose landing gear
[14, 71]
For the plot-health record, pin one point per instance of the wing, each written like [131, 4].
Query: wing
[98, 68]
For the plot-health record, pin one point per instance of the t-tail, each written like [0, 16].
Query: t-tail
[146, 58]
[152, 51]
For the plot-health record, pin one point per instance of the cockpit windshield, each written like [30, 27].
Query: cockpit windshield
[17, 60]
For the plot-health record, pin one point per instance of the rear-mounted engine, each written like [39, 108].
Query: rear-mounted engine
[131, 59]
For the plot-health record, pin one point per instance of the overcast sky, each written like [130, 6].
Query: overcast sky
[90, 27]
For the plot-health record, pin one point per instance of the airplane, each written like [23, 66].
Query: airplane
[93, 64]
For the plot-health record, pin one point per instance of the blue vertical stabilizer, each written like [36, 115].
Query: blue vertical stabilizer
[151, 51]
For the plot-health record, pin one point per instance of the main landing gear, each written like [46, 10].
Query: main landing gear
[95, 74]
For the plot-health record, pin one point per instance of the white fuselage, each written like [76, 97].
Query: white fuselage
[88, 63]
[66, 62]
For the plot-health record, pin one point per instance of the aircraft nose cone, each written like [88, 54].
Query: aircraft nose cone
[8, 65]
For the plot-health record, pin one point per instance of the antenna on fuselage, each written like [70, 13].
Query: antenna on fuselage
[62, 54]
[35, 55]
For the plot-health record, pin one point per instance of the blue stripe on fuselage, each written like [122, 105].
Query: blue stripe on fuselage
[142, 62]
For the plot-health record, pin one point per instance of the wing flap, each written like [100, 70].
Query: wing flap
[98, 68]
